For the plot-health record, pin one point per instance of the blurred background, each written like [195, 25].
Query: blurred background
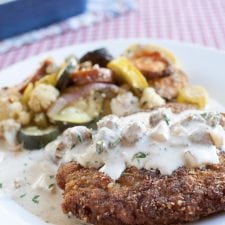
[24, 15]
[29, 27]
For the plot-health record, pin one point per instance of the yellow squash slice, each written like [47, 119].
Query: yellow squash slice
[193, 94]
[152, 48]
[127, 73]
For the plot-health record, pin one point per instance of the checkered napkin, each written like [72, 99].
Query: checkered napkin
[97, 11]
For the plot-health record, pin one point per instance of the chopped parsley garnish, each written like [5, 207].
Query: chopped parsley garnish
[167, 120]
[35, 199]
[203, 115]
[1, 185]
[79, 138]
[23, 195]
[140, 155]
[114, 143]
[51, 176]
[99, 147]
[73, 146]
[51, 186]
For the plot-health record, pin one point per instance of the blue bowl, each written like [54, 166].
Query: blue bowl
[20, 16]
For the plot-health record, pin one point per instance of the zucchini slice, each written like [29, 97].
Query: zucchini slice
[70, 114]
[65, 72]
[35, 138]
[82, 111]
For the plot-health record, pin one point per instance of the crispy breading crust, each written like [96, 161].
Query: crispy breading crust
[167, 87]
[143, 197]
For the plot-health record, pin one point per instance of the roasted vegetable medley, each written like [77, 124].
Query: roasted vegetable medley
[81, 91]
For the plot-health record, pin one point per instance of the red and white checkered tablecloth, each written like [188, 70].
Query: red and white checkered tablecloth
[194, 21]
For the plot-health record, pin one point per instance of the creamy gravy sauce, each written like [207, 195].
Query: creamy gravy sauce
[152, 140]
[28, 174]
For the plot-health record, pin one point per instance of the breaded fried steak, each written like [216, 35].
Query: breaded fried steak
[151, 168]
[142, 196]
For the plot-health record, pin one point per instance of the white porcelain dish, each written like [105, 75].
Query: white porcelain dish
[203, 65]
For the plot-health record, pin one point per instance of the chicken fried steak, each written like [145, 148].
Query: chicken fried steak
[174, 171]
[143, 196]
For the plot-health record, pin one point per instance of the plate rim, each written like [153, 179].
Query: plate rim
[107, 42]
[103, 41]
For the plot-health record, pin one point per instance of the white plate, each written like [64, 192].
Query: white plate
[203, 65]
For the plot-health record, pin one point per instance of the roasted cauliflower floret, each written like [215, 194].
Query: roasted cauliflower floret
[7, 97]
[17, 112]
[151, 99]
[124, 104]
[42, 97]
[23, 118]
[12, 108]
[8, 130]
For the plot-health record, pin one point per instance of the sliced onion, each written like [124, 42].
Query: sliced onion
[75, 93]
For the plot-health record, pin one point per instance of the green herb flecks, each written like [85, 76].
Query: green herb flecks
[1, 185]
[114, 143]
[35, 199]
[22, 196]
[100, 147]
[166, 118]
[203, 115]
[79, 138]
[50, 186]
[51, 176]
[140, 155]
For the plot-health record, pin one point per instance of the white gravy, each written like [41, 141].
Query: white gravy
[152, 140]
[28, 176]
